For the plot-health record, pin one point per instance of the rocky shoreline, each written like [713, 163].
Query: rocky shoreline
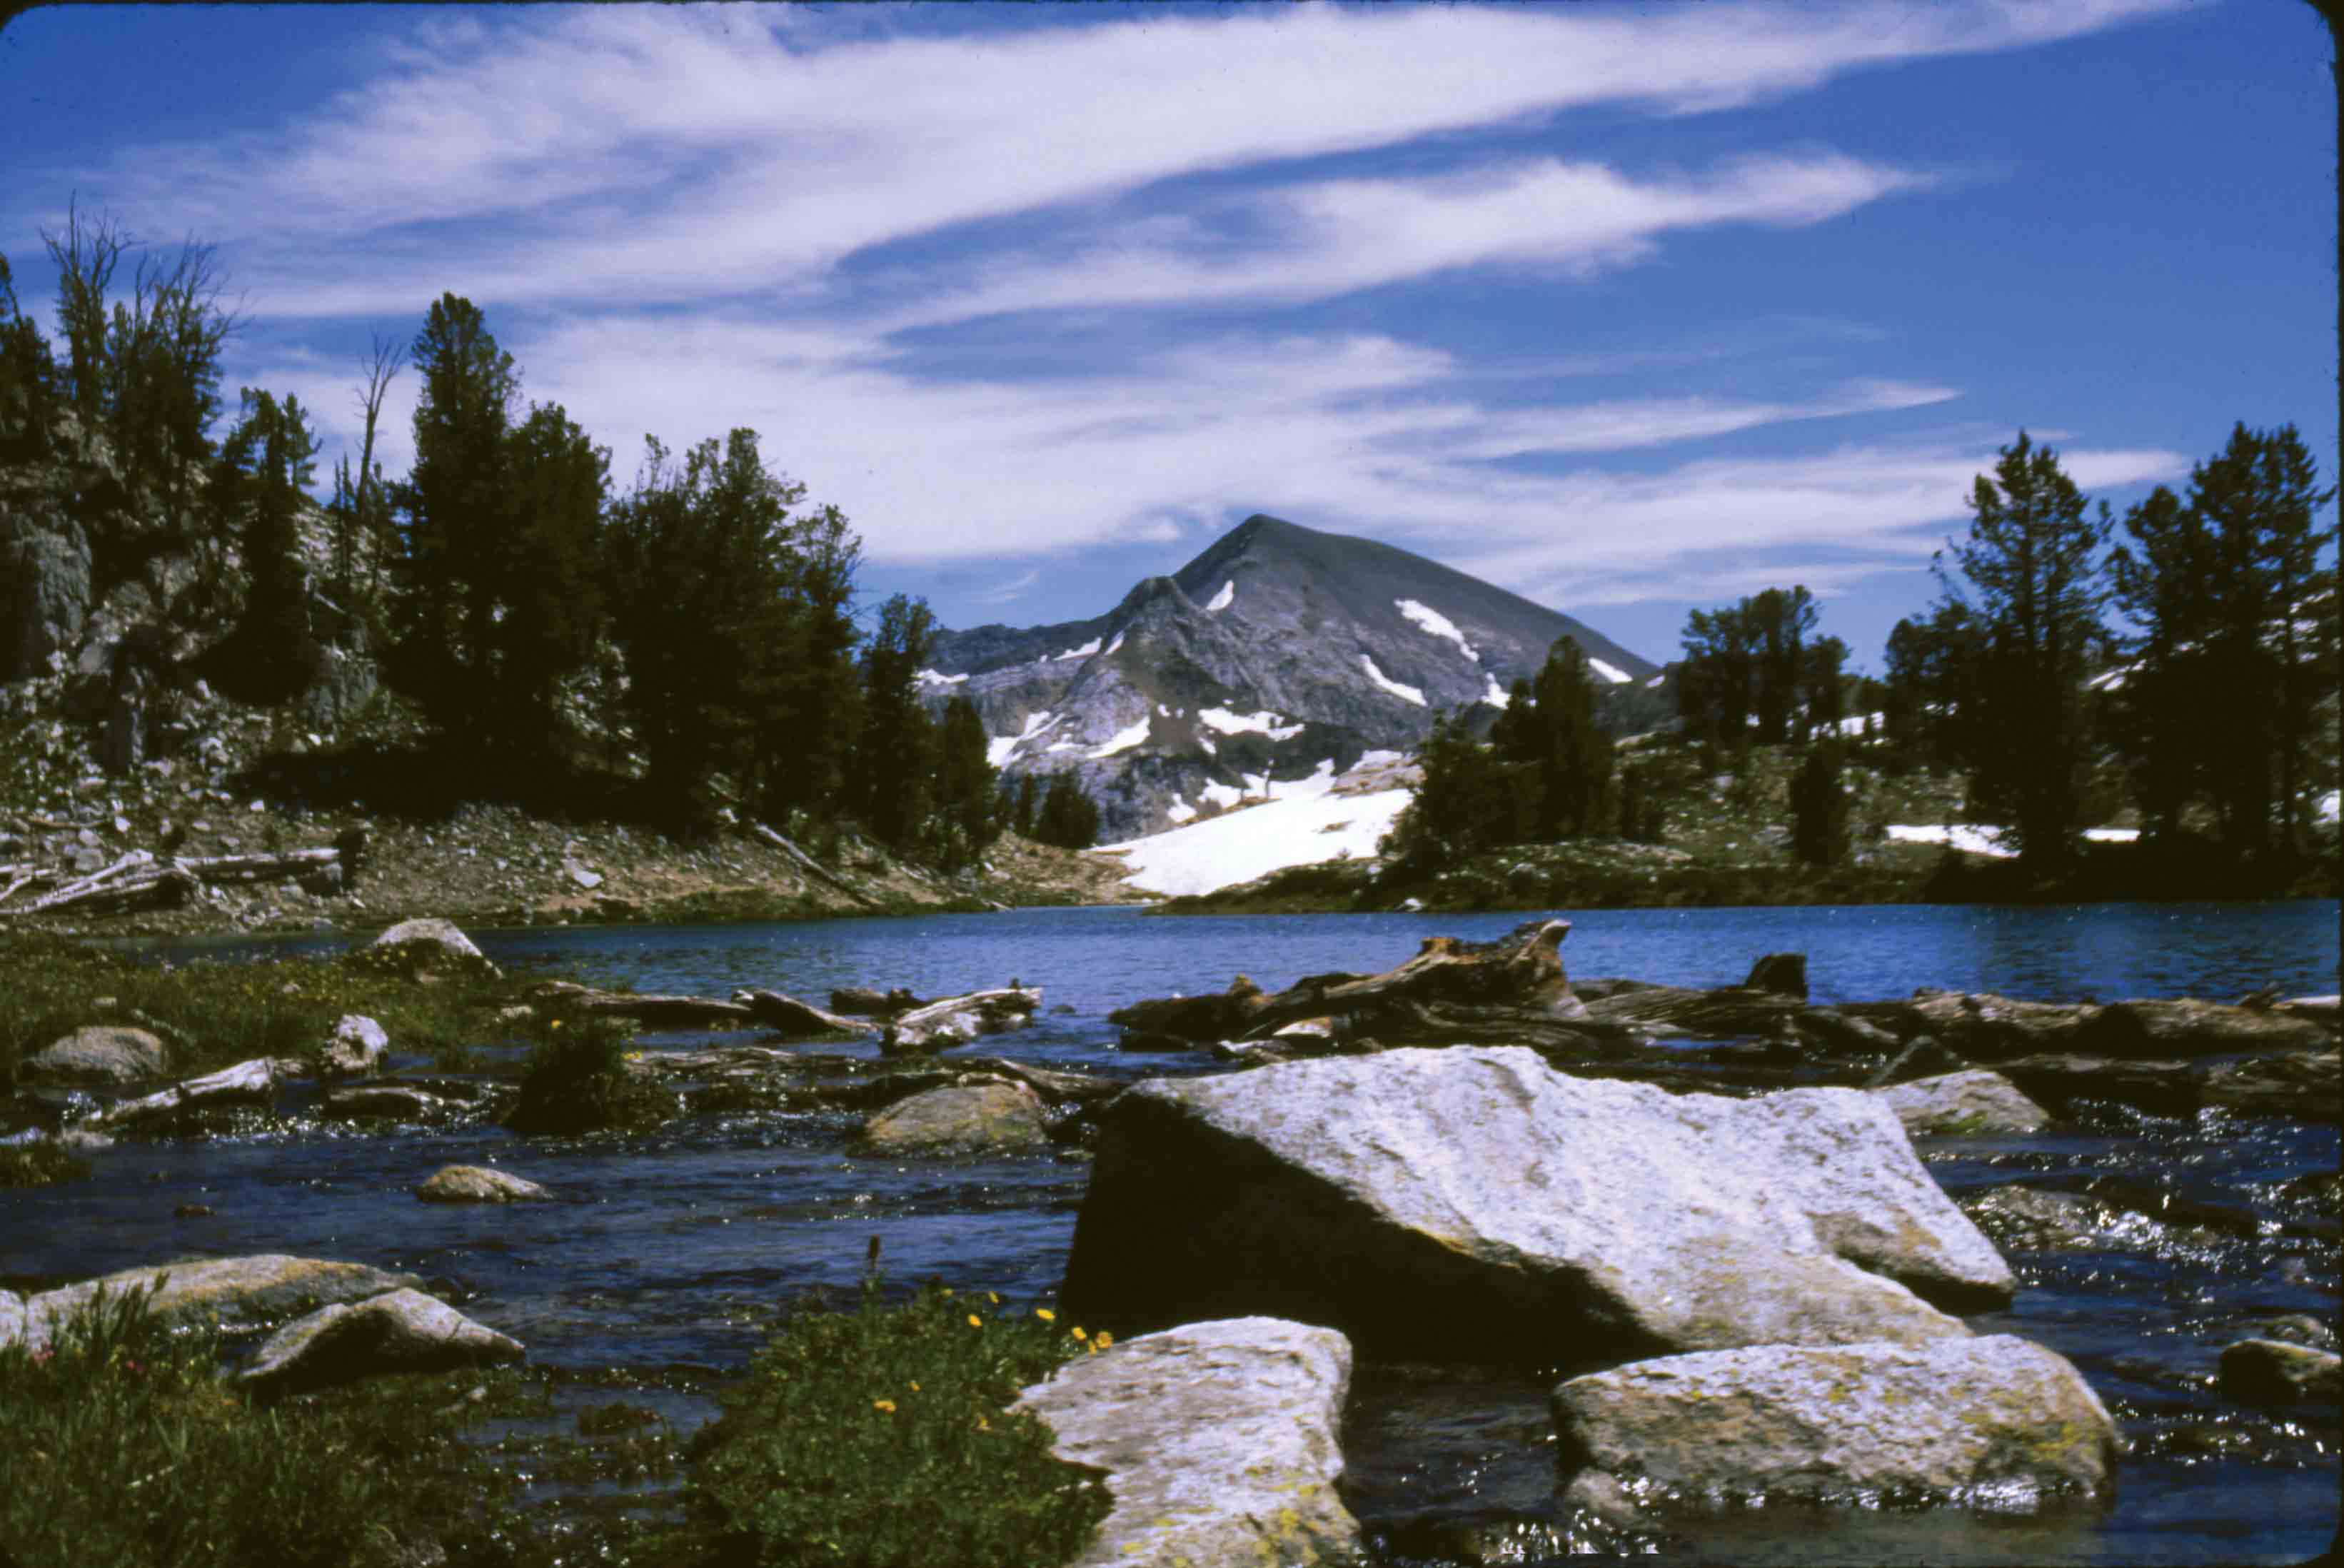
[1467, 1155]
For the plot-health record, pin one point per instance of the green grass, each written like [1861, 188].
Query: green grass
[579, 1080]
[211, 1015]
[125, 1448]
[880, 1437]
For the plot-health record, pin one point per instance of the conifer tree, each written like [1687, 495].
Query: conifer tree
[1068, 818]
[965, 798]
[1819, 807]
[895, 756]
[2027, 574]
[258, 488]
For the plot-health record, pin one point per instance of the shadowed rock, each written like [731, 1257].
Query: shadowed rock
[238, 1291]
[1425, 1200]
[399, 1331]
[2273, 1372]
[1964, 1103]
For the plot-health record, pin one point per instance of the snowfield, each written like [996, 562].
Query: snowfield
[1988, 840]
[999, 749]
[1437, 624]
[1405, 693]
[1225, 598]
[1124, 739]
[1612, 672]
[1240, 845]
[1264, 722]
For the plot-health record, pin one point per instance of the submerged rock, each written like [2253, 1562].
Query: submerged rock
[393, 1101]
[1472, 1204]
[1998, 1421]
[2274, 1371]
[978, 1119]
[402, 1331]
[238, 1290]
[477, 1184]
[1218, 1441]
[103, 1052]
[1964, 1103]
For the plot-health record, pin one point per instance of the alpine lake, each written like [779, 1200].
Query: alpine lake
[659, 1268]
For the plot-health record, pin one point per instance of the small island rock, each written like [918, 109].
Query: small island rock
[402, 1331]
[477, 1184]
[2273, 1372]
[976, 1119]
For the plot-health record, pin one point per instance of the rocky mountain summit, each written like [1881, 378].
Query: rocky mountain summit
[1274, 661]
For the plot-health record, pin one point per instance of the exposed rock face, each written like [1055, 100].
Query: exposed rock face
[2273, 1372]
[241, 1290]
[477, 1184]
[979, 1119]
[100, 1054]
[429, 944]
[13, 1317]
[341, 683]
[1429, 1200]
[957, 1020]
[355, 1049]
[1276, 650]
[44, 589]
[1964, 1103]
[1219, 1441]
[1998, 1420]
[402, 1331]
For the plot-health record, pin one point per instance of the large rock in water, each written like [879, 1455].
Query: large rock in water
[1472, 1204]
[1963, 1104]
[238, 1290]
[976, 1119]
[1218, 1441]
[477, 1184]
[430, 946]
[398, 1332]
[1999, 1421]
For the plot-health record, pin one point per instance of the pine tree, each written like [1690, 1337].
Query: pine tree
[2234, 611]
[1819, 807]
[1574, 759]
[894, 755]
[455, 505]
[963, 785]
[258, 490]
[1068, 819]
[2028, 575]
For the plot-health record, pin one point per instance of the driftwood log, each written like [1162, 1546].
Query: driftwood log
[659, 1010]
[141, 880]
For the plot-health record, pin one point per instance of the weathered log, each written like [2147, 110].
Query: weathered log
[166, 888]
[864, 1001]
[2182, 1028]
[1728, 1011]
[659, 1010]
[785, 1014]
[808, 864]
[2308, 1086]
[957, 1020]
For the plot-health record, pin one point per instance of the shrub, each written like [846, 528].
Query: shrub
[881, 1436]
[40, 1163]
[125, 1448]
[579, 1080]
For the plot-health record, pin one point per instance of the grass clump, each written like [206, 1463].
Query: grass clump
[881, 1436]
[212, 1015]
[126, 1448]
[579, 1079]
[40, 1163]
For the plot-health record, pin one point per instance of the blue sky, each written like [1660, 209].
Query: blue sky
[1629, 308]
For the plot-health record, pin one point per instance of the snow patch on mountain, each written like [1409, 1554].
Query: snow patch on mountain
[1437, 624]
[938, 678]
[1494, 695]
[1084, 652]
[1239, 845]
[1180, 811]
[1124, 739]
[1225, 598]
[1976, 840]
[1263, 722]
[999, 749]
[1405, 693]
[1612, 672]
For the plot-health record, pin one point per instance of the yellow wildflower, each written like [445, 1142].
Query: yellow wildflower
[915, 1388]
[555, 1025]
[887, 1405]
[1102, 1339]
[1046, 1315]
[1078, 1333]
[994, 1296]
[974, 1321]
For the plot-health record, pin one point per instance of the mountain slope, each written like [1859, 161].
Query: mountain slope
[1279, 654]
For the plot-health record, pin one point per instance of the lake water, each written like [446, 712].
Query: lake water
[671, 1248]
